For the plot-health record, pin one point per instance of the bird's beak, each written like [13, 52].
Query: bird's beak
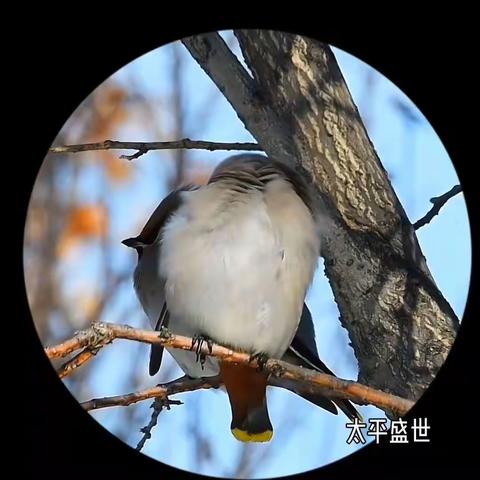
[133, 243]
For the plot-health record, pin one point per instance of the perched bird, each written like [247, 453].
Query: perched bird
[231, 262]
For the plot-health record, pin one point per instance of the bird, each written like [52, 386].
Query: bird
[231, 262]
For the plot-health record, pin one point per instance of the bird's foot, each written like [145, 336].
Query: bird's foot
[261, 359]
[197, 344]
[165, 333]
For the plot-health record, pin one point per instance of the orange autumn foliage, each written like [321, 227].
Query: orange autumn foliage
[110, 111]
[83, 223]
[117, 170]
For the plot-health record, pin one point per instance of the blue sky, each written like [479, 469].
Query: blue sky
[420, 168]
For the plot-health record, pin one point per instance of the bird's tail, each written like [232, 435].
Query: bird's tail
[246, 390]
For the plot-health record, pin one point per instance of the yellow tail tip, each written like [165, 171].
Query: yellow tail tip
[244, 436]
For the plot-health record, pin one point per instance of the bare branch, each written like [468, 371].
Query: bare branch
[438, 203]
[144, 147]
[180, 385]
[134, 156]
[158, 405]
[77, 361]
[176, 386]
[101, 333]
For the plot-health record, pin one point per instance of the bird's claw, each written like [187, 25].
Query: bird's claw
[165, 333]
[197, 344]
[261, 359]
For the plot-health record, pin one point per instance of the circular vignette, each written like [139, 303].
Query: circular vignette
[81, 207]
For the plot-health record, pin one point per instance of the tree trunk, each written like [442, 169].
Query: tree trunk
[299, 109]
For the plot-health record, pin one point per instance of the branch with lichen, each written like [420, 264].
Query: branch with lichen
[100, 334]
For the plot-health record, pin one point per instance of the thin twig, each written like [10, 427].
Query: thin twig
[327, 384]
[144, 147]
[77, 361]
[161, 395]
[158, 405]
[438, 203]
[180, 385]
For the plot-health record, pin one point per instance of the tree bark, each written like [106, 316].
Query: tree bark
[299, 109]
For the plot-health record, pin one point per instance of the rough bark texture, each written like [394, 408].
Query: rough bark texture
[299, 109]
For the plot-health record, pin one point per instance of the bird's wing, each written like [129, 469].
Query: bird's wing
[156, 351]
[147, 236]
[303, 352]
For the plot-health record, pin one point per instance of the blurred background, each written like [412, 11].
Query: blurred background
[78, 272]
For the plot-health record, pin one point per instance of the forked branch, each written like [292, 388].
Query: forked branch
[100, 334]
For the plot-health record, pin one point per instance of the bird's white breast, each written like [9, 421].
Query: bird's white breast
[237, 265]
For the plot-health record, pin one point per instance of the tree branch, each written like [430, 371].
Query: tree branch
[438, 203]
[180, 385]
[144, 147]
[158, 405]
[80, 359]
[161, 395]
[94, 336]
[241, 90]
[100, 334]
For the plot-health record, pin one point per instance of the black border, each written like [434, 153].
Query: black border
[66, 60]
